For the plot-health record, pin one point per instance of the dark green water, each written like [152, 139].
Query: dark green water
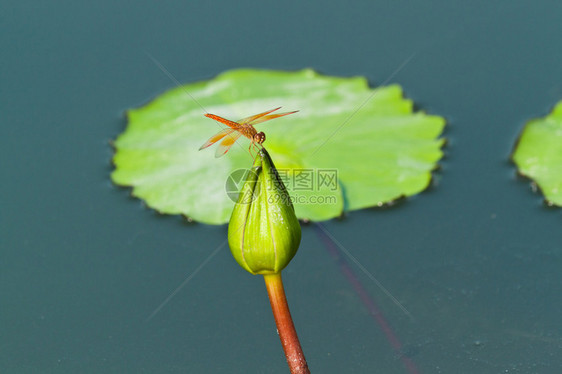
[476, 259]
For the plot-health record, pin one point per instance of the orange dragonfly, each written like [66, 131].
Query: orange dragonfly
[245, 127]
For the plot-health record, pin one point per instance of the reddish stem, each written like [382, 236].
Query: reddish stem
[284, 322]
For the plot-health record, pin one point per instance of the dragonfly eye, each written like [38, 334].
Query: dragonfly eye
[259, 137]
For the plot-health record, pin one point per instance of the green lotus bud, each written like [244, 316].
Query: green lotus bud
[264, 232]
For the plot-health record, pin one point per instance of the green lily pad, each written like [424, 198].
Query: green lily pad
[538, 154]
[349, 146]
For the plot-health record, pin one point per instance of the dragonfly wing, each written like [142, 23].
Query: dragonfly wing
[271, 116]
[227, 143]
[251, 120]
[218, 136]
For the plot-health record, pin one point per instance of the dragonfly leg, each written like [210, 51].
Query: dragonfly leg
[250, 150]
[254, 146]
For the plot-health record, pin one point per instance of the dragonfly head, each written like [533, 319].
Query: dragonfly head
[259, 137]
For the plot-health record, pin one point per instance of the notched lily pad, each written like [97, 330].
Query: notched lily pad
[538, 154]
[335, 155]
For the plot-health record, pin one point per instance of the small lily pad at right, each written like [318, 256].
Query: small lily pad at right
[538, 154]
